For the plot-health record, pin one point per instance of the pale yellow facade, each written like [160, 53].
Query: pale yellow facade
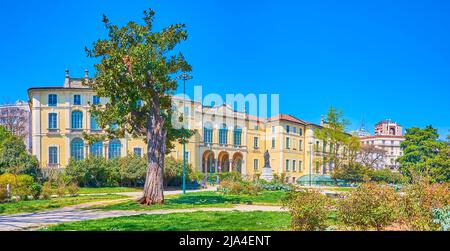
[227, 139]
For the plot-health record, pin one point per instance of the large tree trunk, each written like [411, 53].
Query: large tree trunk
[156, 150]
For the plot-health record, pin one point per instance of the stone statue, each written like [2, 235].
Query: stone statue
[267, 174]
[266, 159]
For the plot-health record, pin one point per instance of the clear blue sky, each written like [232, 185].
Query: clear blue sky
[384, 59]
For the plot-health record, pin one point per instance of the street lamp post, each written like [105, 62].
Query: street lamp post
[184, 77]
[210, 163]
[310, 162]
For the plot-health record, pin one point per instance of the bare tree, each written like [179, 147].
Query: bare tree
[372, 156]
[15, 119]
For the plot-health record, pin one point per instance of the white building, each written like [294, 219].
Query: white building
[16, 118]
[388, 137]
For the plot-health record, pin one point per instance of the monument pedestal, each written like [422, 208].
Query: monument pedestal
[267, 174]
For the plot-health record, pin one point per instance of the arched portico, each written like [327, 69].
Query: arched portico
[237, 163]
[208, 162]
[224, 162]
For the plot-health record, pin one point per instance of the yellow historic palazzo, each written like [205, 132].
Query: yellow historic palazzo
[227, 139]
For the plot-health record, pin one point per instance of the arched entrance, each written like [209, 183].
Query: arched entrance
[208, 162]
[237, 162]
[224, 162]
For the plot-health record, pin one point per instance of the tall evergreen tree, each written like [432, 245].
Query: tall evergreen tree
[137, 73]
[424, 154]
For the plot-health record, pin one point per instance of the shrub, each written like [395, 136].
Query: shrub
[72, 189]
[36, 190]
[280, 179]
[23, 186]
[47, 190]
[173, 172]
[275, 186]
[370, 206]
[441, 216]
[386, 175]
[132, 170]
[418, 202]
[60, 190]
[94, 172]
[229, 186]
[233, 176]
[197, 176]
[309, 209]
[354, 172]
[6, 179]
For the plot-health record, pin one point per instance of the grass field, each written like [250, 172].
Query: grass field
[88, 190]
[197, 221]
[201, 200]
[53, 203]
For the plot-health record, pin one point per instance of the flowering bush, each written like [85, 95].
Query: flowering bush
[418, 202]
[370, 206]
[309, 209]
[230, 186]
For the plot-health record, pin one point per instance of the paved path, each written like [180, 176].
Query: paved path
[29, 221]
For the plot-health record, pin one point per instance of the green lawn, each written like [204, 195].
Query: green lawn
[202, 200]
[53, 203]
[89, 190]
[197, 221]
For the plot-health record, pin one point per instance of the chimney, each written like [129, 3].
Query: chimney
[86, 75]
[67, 79]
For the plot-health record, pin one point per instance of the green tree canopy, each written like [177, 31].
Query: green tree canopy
[343, 147]
[424, 154]
[137, 73]
[14, 157]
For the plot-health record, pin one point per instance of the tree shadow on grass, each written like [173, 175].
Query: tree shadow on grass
[202, 200]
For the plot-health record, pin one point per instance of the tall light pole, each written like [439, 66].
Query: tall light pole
[311, 143]
[184, 77]
[210, 162]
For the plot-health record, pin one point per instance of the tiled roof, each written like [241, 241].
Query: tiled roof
[288, 118]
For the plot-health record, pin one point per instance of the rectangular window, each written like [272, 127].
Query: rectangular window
[273, 142]
[288, 143]
[294, 130]
[300, 131]
[52, 100]
[294, 163]
[207, 135]
[255, 165]
[287, 165]
[237, 137]
[53, 155]
[300, 165]
[273, 129]
[52, 121]
[94, 124]
[95, 100]
[223, 136]
[255, 143]
[77, 99]
[287, 129]
[137, 151]
[300, 145]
